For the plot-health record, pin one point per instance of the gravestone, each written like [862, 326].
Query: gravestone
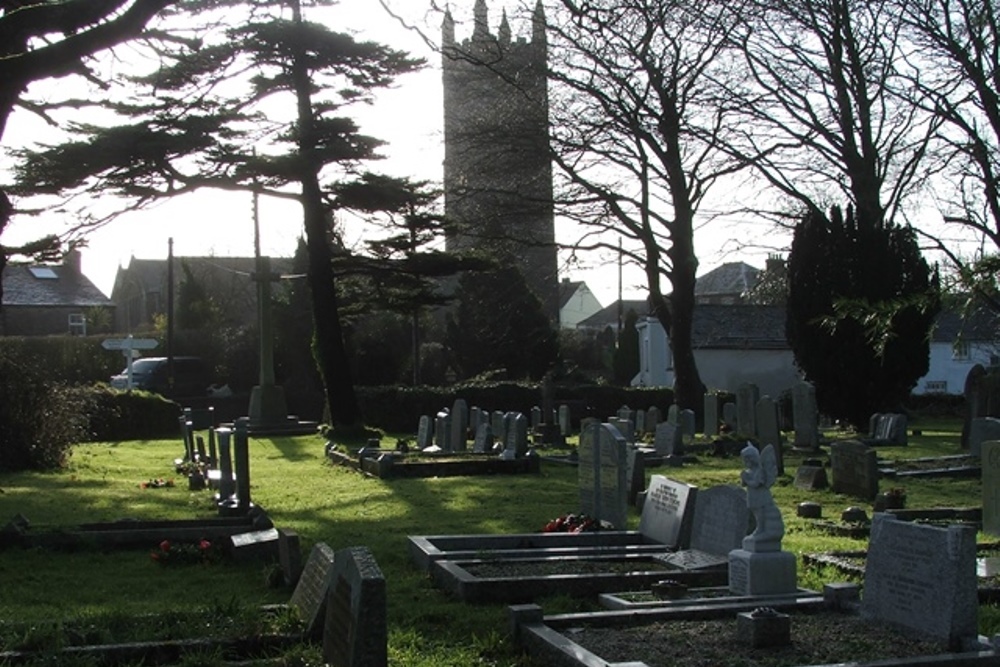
[887, 428]
[635, 474]
[711, 403]
[425, 432]
[239, 502]
[459, 425]
[686, 420]
[811, 476]
[289, 556]
[982, 396]
[309, 596]
[719, 523]
[990, 459]
[729, 415]
[640, 421]
[652, 419]
[475, 417]
[536, 417]
[483, 444]
[854, 469]
[805, 416]
[668, 511]
[255, 545]
[442, 431]
[355, 632]
[517, 434]
[747, 395]
[625, 412]
[602, 469]
[667, 441]
[498, 421]
[227, 486]
[673, 414]
[921, 580]
[769, 429]
[565, 423]
[981, 430]
[626, 427]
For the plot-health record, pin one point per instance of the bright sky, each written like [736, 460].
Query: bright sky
[408, 117]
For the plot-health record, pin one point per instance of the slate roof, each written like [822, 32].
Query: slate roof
[69, 287]
[152, 273]
[608, 316]
[567, 289]
[982, 324]
[741, 327]
[730, 279]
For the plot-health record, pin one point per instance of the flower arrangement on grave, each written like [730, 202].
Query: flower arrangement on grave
[156, 483]
[172, 553]
[575, 523]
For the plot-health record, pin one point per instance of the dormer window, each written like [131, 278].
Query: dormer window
[43, 272]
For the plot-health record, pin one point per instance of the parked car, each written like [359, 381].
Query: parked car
[191, 376]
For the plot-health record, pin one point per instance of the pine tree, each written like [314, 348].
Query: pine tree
[861, 304]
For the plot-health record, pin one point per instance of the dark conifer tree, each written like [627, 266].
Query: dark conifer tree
[861, 304]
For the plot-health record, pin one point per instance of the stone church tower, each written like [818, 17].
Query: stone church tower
[497, 171]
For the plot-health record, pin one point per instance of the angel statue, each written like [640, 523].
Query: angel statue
[759, 473]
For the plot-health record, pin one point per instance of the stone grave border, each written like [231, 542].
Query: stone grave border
[386, 464]
[549, 637]
[453, 577]
[616, 601]
[969, 466]
[425, 550]
[970, 516]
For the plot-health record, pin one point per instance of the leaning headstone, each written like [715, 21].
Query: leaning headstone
[483, 443]
[667, 441]
[921, 580]
[565, 423]
[601, 470]
[720, 522]
[747, 395]
[668, 511]
[459, 425]
[355, 632]
[517, 434]
[805, 416]
[673, 414]
[686, 420]
[729, 415]
[981, 430]
[769, 428]
[711, 403]
[635, 474]
[811, 476]
[442, 431]
[854, 469]
[652, 419]
[498, 421]
[309, 597]
[425, 432]
[990, 460]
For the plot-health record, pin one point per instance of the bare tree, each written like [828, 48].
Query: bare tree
[637, 131]
[820, 122]
[955, 75]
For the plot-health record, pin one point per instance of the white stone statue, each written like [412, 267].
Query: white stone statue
[760, 472]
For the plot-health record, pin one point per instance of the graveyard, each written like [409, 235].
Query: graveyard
[463, 572]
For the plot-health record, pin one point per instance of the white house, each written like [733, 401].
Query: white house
[576, 303]
[957, 344]
[733, 345]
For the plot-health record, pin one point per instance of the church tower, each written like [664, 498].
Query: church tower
[497, 170]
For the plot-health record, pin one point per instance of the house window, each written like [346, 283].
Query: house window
[77, 324]
[936, 387]
[960, 351]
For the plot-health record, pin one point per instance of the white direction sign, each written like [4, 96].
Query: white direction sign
[129, 343]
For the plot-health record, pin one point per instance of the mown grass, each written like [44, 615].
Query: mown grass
[293, 481]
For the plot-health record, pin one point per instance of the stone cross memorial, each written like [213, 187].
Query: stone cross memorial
[602, 474]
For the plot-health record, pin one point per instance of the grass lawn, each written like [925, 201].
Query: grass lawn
[301, 491]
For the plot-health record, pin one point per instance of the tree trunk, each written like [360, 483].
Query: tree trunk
[328, 343]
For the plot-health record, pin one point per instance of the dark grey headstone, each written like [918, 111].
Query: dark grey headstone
[309, 596]
[652, 419]
[921, 580]
[810, 478]
[747, 395]
[425, 432]
[355, 633]
[711, 403]
[289, 555]
[769, 429]
[459, 425]
[667, 440]
[565, 422]
[602, 469]
[442, 431]
[990, 459]
[854, 469]
[517, 434]
[729, 415]
[635, 474]
[982, 429]
[498, 421]
[805, 416]
[721, 519]
[483, 443]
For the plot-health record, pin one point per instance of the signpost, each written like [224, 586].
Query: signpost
[128, 346]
